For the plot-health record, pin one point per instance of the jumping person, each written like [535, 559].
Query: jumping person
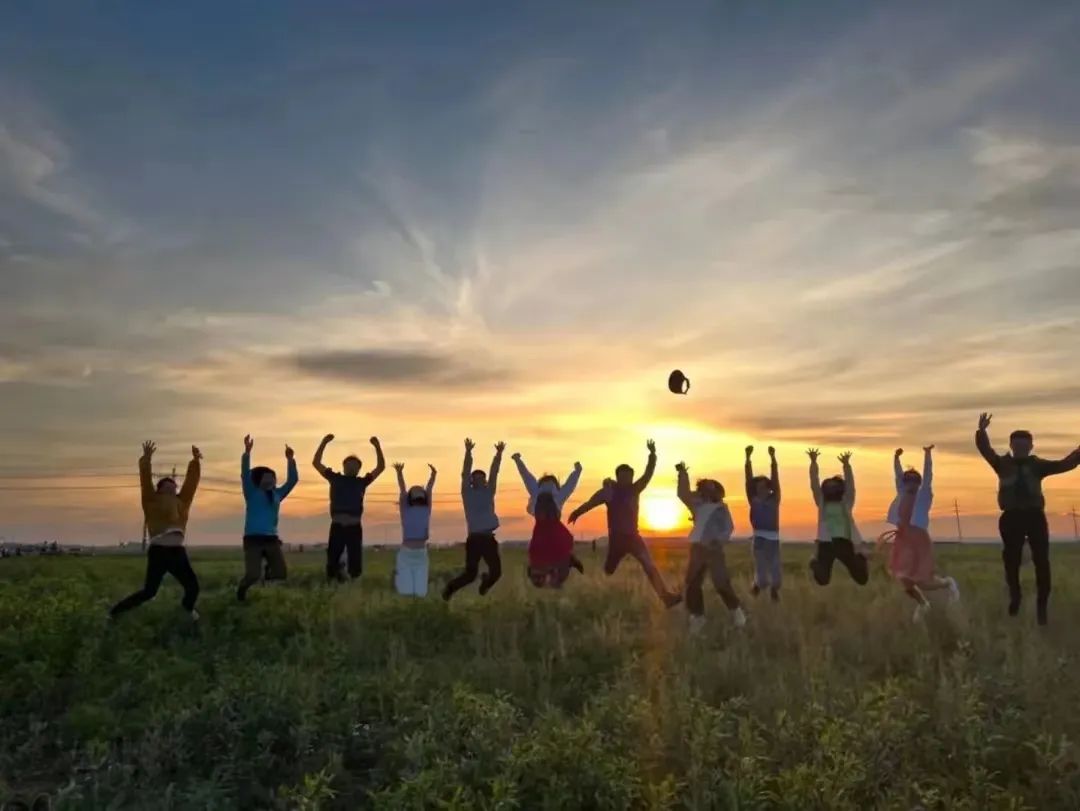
[551, 547]
[166, 513]
[837, 533]
[1023, 510]
[622, 497]
[712, 530]
[560, 494]
[912, 559]
[263, 500]
[347, 491]
[763, 495]
[414, 503]
[478, 498]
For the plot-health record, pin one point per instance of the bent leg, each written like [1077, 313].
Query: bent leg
[493, 561]
[472, 568]
[180, 568]
[857, 565]
[821, 564]
[721, 578]
[155, 572]
[695, 576]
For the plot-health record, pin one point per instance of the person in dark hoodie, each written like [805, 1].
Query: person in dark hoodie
[166, 512]
[262, 498]
[1023, 510]
[622, 497]
[347, 491]
[478, 498]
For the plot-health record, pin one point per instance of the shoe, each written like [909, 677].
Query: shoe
[194, 615]
[755, 590]
[697, 624]
[577, 564]
[954, 590]
[1040, 614]
[446, 593]
[1014, 606]
[671, 600]
[738, 617]
[241, 594]
[921, 610]
[775, 595]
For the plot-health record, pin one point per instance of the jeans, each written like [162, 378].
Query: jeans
[258, 548]
[162, 560]
[411, 571]
[480, 546]
[345, 538]
[766, 563]
[708, 558]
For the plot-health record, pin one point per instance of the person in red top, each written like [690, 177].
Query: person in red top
[551, 547]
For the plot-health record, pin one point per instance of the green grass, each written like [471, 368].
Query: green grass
[345, 697]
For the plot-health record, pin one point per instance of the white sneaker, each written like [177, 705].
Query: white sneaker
[194, 615]
[738, 617]
[921, 610]
[954, 590]
[697, 624]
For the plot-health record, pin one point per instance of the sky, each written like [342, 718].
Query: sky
[853, 225]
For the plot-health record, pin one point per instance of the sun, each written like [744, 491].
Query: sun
[661, 513]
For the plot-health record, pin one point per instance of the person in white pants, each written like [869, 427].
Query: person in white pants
[411, 569]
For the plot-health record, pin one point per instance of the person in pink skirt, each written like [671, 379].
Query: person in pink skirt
[912, 559]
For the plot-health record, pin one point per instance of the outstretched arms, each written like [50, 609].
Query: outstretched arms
[982, 442]
[466, 465]
[1070, 462]
[146, 478]
[849, 479]
[191, 478]
[571, 483]
[380, 460]
[815, 475]
[598, 498]
[650, 468]
[317, 462]
[496, 463]
[928, 468]
[527, 478]
[400, 468]
[292, 477]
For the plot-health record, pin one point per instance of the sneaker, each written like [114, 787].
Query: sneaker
[954, 590]
[697, 624]
[921, 610]
[738, 617]
[194, 615]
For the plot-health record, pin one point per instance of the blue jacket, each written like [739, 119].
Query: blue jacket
[262, 506]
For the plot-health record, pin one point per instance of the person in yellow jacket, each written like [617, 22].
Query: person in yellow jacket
[166, 512]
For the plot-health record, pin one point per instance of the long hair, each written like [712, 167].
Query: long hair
[546, 508]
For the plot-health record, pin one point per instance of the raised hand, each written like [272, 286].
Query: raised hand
[516, 457]
[749, 451]
[500, 447]
[845, 457]
[577, 466]
[196, 453]
[469, 444]
[148, 449]
[772, 452]
[899, 452]
[249, 443]
[813, 453]
[651, 445]
[326, 440]
[681, 467]
[400, 466]
[984, 421]
[289, 453]
[432, 469]
[929, 448]
[375, 441]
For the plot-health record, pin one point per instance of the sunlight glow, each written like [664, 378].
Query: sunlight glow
[662, 513]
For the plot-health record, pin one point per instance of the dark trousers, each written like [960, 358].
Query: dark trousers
[621, 546]
[480, 546]
[259, 548]
[843, 550]
[345, 538]
[162, 560]
[1016, 526]
[706, 558]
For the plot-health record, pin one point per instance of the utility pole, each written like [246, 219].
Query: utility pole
[1076, 527]
[959, 529]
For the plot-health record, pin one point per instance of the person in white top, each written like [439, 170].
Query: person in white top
[912, 559]
[411, 567]
[712, 530]
[548, 483]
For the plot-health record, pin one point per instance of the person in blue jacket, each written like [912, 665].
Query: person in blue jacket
[263, 498]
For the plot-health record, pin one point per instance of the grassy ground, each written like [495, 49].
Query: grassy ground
[318, 697]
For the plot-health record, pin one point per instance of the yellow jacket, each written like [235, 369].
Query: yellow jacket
[167, 513]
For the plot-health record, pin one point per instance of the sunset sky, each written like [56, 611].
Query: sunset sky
[853, 225]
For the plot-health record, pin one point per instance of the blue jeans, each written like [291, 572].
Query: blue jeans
[766, 563]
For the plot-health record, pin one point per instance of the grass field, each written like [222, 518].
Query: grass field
[345, 697]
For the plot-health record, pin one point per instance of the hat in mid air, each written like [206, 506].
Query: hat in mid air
[678, 383]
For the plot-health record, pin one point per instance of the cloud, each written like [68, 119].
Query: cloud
[396, 367]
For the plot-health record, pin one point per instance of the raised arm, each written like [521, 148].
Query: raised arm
[749, 469]
[928, 468]
[291, 478]
[317, 462]
[898, 469]
[466, 466]
[982, 442]
[146, 476]
[1070, 462]
[849, 479]
[191, 478]
[400, 469]
[598, 498]
[245, 467]
[431, 482]
[380, 460]
[774, 473]
[815, 475]
[571, 483]
[527, 478]
[682, 489]
[496, 463]
[650, 468]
